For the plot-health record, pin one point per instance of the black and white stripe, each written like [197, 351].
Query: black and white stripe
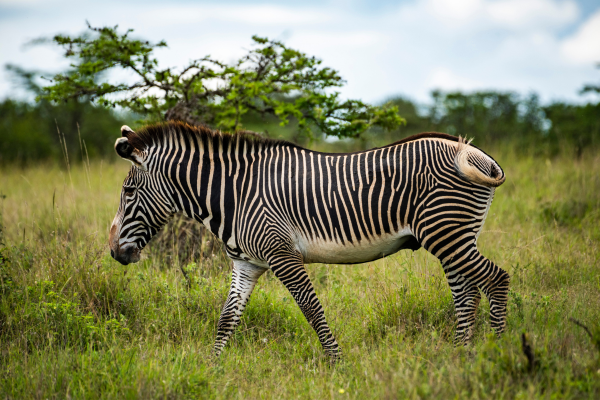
[276, 205]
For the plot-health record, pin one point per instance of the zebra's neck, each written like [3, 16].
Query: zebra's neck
[205, 176]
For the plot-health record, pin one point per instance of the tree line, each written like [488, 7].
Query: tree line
[506, 119]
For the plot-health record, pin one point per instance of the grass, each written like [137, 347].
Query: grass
[76, 324]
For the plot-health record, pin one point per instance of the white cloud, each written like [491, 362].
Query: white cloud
[457, 11]
[326, 41]
[532, 14]
[483, 15]
[584, 46]
[445, 79]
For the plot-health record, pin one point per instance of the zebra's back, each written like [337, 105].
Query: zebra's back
[350, 208]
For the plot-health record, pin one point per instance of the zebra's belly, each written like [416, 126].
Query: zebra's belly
[351, 253]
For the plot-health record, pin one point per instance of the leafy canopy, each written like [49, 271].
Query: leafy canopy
[270, 79]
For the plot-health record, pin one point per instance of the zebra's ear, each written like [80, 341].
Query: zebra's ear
[127, 132]
[126, 151]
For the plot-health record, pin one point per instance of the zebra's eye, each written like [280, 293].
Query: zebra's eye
[129, 191]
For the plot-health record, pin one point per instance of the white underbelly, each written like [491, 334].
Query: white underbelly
[319, 251]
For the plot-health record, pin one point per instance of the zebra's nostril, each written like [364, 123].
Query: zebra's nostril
[112, 253]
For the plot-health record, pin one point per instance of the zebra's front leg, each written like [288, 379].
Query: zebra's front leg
[289, 269]
[243, 280]
[466, 298]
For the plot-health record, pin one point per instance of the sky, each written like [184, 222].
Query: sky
[381, 48]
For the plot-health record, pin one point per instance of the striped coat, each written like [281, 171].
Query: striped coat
[278, 206]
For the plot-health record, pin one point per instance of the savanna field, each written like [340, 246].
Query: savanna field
[74, 323]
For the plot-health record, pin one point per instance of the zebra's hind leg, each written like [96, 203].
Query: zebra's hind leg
[493, 282]
[466, 298]
[243, 280]
[496, 290]
[289, 269]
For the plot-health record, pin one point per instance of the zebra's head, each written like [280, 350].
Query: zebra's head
[144, 208]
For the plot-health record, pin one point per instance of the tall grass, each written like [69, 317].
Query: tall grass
[74, 323]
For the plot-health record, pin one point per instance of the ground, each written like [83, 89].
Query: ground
[76, 324]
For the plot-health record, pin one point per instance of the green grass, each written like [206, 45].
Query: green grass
[75, 323]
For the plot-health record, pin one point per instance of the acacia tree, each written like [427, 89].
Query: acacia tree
[271, 79]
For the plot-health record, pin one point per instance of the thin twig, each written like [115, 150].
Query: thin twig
[528, 351]
[579, 323]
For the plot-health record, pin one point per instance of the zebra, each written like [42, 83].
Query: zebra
[278, 206]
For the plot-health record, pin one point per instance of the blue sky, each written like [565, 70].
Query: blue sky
[382, 48]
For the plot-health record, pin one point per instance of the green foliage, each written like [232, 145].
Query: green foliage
[57, 320]
[498, 119]
[30, 132]
[271, 79]
[574, 127]
[488, 116]
[570, 212]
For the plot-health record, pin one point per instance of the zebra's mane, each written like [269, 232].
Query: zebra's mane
[153, 134]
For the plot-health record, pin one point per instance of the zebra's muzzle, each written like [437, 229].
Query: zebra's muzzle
[126, 255]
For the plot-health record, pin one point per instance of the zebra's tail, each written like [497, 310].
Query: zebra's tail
[467, 156]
